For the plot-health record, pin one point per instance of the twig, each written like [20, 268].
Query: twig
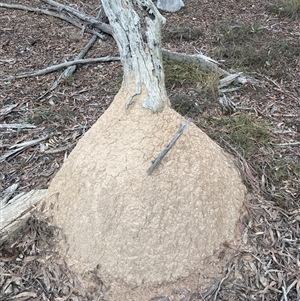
[286, 115]
[212, 290]
[284, 296]
[59, 149]
[158, 160]
[227, 105]
[7, 193]
[285, 292]
[90, 20]
[7, 109]
[70, 70]
[52, 14]
[63, 65]
[245, 168]
[222, 280]
[21, 147]
[288, 144]
[274, 83]
[18, 126]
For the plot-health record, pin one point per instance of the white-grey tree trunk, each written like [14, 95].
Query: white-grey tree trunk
[137, 30]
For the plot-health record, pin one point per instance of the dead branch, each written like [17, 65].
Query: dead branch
[93, 24]
[7, 193]
[71, 69]
[21, 147]
[89, 20]
[288, 144]
[157, 161]
[17, 126]
[62, 65]
[205, 62]
[52, 14]
[7, 109]
[208, 64]
[17, 211]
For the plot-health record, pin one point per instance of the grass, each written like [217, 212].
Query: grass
[287, 8]
[179, 74]
[241, 48]
[181, 32]
[242, 131]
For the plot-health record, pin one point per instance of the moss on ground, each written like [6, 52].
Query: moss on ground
[244, 133]
[183, 74]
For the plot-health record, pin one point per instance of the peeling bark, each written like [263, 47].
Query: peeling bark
[137, 31]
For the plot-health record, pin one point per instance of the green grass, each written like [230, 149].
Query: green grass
[179, 74]
[243, 132]
[287, 8]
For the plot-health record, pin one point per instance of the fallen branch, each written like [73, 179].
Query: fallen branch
[17, 126]
[205, 62]
[158, 160]
[7, 109]
[21, 147]
[17, 211]
[208, 64]
[52, 14]
[7, 193]
[62, 65]
[71, 69]
[90, 20]
[288, 144]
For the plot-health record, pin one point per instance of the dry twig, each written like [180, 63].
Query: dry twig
[18, 126]
[90, 20]
[63, 65]
[21, 147]
[52, 14]
[158, 160]
[71, 69]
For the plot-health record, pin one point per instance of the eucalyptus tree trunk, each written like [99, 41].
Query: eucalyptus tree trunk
[137, 31]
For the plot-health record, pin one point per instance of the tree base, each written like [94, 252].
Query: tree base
[139, 228]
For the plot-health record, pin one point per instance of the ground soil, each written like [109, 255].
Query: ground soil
[248, 36]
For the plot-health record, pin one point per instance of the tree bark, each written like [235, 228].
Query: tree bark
[137, 31]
